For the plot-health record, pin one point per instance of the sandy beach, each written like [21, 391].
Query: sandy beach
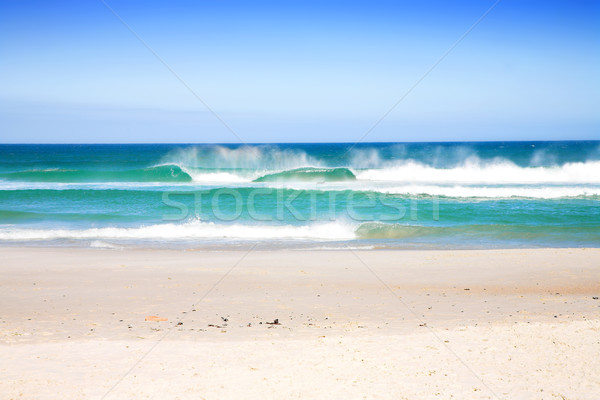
[394, 200]
[477, 324]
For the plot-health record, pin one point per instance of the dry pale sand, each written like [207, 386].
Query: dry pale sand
[508, 324]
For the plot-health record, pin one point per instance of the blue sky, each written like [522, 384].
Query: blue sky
[70, 71]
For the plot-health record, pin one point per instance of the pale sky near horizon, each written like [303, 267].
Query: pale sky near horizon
[71, 72]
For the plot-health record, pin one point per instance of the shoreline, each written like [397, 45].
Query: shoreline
[261, 246]
[526, 322]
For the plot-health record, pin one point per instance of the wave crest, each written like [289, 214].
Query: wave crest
[310, 174]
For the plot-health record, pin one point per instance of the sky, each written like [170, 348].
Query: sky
[308, 71]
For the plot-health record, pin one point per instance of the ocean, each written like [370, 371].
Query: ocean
[302, 196]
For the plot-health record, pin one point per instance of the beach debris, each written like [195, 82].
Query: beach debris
[275, 322]
[179, 323]
[595, 297]
[155, 318]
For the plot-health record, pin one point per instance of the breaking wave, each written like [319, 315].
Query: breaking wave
[190, 230]
[323, 231]
[476, 171]
[310, 175]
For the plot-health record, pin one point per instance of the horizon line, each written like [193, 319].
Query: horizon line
[266, 143]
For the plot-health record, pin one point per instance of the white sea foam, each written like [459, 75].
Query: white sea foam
[215, 177]
[474, 171]
[103, 245]
[458, 191]
[190, 230]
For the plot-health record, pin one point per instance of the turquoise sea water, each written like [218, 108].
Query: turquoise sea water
[400, 195]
